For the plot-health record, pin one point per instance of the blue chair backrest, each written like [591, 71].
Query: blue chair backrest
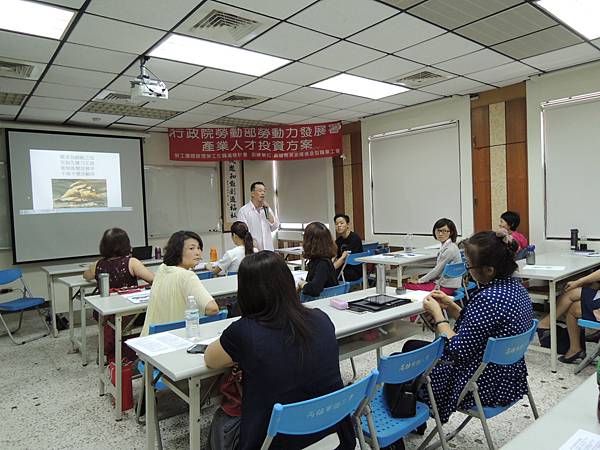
[351, 259]
[454, 270]
[311, 416]
[204, 275]
[407, 366]
[508, 350]
[332, 291]
[370, 246]
[162, 327]
[231, 273]
[9, 275]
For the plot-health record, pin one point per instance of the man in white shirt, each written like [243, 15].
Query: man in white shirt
[259, 217]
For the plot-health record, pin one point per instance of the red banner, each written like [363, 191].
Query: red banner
[278, 142]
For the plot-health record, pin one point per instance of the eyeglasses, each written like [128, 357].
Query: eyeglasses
[442, 230]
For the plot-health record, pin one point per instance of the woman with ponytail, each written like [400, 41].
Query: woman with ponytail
[244, 245]
[500, 307]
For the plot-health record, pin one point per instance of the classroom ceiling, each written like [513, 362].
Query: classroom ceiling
[440, 47]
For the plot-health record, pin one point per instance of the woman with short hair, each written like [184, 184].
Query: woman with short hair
[319, 249]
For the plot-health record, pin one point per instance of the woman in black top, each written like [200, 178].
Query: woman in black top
[347, 242]
[319, 249]
[287, 352]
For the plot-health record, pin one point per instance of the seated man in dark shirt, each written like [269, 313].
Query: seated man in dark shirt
[347, 242]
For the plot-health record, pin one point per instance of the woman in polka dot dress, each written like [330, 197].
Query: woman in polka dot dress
[500, 307]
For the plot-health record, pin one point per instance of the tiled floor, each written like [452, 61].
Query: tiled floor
[48, 400]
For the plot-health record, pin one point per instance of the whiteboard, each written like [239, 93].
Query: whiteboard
[181, 198]
[415, 179]
[571, 162]
[5, 241]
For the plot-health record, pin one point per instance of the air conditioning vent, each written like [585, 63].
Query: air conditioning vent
[225, 24]
[11, 98]
[422, 78]
[238, 99]
[101, 107]
[20, 69]
[113, 97]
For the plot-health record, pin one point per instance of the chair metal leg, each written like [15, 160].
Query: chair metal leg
[354, 373]
[532, 403]
[24, 341]
[436, 415]
[486, 430]
[138, 407]
[588, 359]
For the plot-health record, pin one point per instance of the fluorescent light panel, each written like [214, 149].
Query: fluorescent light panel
[34, 18]
[363, 87]
[219, 56]
[581, 15]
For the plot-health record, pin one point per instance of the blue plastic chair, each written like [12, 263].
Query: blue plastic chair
[372, 246]
[592, 324]
[231, 273]
[204, 275]
[351, 261]
[20, 304]
[318, 414]
[332, 291]
[397, 369]
[501, 351]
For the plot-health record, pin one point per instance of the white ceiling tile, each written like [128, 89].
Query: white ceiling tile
[267, 88]
[157, 14]
[596, 42]
[93, 119]
[178, 123]
[215, 110]
[564, 57]
[76, 4]
[173, 104]
[85, 57]
[278, 105]
[43, 115]
[113, 35]
[9, 110]
[342, 101]
[343, 115]
[123, 84]
[300, 74]
[411, 98]
[374, 107]
[68, 92]
[397, 33]
[540, 42]
[343, 56]
[197, 93]
[338, 18]
[314, 120]
[510, 71]
[313, 110]
[440, 48]
[77, 77]
[60, 104]
[279, 9]
[16, 86]
[165, 70]
[194, 117]
[290, 41]
[219, 79]
[252, 114]
[458, 85]
[307, 95]
[128, 126]
[474, 62]
[288, 118]
[386, 68]
[23, 47]
[140, 121]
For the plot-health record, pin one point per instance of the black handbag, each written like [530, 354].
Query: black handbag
[401, 398]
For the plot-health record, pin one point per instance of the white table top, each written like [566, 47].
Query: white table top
[178, 365]
[297, 251]
[400, 258]
[68, 269]
[576, 411]
[573, 264]
[220, 286]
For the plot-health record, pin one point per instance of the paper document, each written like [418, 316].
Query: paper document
[582, 440]
[299, 275]
[157, 344]
[138, 297]
[410, 255]
[415, 296]
[536, 267]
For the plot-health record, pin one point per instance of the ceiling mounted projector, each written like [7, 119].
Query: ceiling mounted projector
[145, 88]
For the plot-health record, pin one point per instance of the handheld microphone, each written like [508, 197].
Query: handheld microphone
[266, 210]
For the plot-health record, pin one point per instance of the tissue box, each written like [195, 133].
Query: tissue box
[338, 303]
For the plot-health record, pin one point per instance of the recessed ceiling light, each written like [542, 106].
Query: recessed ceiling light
[34, 18]
[363, 87]
[581, 15]
[219, 56]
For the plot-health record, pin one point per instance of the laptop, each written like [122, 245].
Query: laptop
[144, 252]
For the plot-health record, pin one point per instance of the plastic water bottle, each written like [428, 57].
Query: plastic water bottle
[530, 255]
[409, 242]
[192, 317]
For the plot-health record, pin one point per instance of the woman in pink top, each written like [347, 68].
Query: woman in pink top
[510, 221]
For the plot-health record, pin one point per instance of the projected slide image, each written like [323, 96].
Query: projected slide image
[77, 193]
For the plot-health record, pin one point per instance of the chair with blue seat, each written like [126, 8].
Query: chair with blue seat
[318, 414]
[592, 324]
[371, 246]
[351, 261]
[205, 275]
[341, 288]
[397, 369]
[500, 351]
[25, 302]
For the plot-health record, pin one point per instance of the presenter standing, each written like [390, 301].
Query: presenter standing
[259, 217]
